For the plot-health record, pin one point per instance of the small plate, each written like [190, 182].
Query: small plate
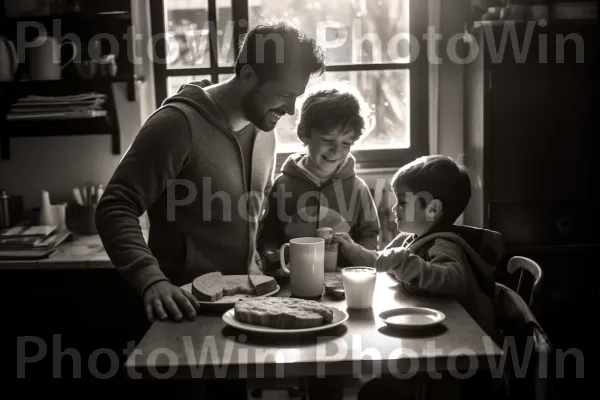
[229, 300]
[339, 317]
[412, 317]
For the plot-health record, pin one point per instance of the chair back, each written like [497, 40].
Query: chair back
[527, 349]
[530, 278]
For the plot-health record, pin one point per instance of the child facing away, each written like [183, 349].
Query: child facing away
[433, 255]
[319, 188]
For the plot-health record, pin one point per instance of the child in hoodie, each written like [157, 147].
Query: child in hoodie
[432, 255]
[319, 188]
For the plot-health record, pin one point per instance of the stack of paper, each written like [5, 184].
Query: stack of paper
[25, 242]
[86, 105]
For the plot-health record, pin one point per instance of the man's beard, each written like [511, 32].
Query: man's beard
[254, 113]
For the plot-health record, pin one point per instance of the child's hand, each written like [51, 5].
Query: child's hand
[354, 252]
[345, 241]
[272, 257]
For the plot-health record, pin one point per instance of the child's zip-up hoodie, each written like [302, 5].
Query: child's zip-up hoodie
[299, 205]
[458, 262]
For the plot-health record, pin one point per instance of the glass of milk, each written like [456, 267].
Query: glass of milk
[359, 285]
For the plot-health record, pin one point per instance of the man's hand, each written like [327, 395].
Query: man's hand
[163, 300]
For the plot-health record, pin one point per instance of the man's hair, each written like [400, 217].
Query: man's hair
[333, 104]
[441, 178]
[274, 46]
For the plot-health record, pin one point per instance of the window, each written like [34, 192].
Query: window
[375, 44]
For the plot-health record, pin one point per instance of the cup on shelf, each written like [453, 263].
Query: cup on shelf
[87, 69]
[44, 58]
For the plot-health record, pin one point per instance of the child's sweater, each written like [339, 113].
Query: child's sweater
[459, 263]
[298, 206]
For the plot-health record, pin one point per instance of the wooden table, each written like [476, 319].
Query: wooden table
[208, 348]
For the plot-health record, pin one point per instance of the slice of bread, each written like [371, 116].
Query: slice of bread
[262, 283]
[208, 287]
[212, 286]
[283, 312]
[236, 284]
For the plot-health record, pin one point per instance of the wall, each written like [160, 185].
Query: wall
[59, 163]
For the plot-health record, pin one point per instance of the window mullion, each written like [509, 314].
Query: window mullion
[240, 23]
[157, 21]
[213, 39]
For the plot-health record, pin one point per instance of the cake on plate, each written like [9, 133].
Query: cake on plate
[283, 312]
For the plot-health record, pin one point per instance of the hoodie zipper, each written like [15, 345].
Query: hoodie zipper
[245, 184]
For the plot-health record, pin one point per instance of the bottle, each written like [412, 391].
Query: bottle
[5, 221]
[46, 210]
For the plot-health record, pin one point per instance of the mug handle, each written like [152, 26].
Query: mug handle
[282, 257]
[74, 47]
[12, 53]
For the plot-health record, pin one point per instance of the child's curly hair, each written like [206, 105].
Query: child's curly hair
[334, 104]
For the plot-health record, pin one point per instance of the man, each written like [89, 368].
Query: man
[201, 166]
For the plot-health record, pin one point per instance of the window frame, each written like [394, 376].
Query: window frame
[366, 159]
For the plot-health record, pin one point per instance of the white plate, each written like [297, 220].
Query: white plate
[229, 300]
[339, 317]
[412, 317]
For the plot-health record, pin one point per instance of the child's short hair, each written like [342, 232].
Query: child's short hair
[438, 176]
[333, 104]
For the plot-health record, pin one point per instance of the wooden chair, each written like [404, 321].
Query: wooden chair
[531, 376]
[527, 290]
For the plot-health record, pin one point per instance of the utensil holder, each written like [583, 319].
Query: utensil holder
[82, 219]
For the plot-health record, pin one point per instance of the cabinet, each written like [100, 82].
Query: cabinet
[531, 114]
[94, 28]
[530, 144]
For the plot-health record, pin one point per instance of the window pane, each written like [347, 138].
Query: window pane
[175, 82]
[186, 25]
[224, 77]
[388, 95]
[225, 39]
[351, 31]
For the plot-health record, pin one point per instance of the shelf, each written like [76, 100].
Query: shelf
[104, 125]
[106, 79]
[110, 17]
[74, 17]
[130, 80]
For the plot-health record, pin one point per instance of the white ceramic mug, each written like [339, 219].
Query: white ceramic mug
[44, 58]
[306, 266]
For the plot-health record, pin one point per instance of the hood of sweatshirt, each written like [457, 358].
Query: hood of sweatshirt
[193, 94]
[483, 247]
[293, 167]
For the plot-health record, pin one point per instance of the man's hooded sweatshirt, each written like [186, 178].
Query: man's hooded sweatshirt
[203, 187]
[299, 205]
